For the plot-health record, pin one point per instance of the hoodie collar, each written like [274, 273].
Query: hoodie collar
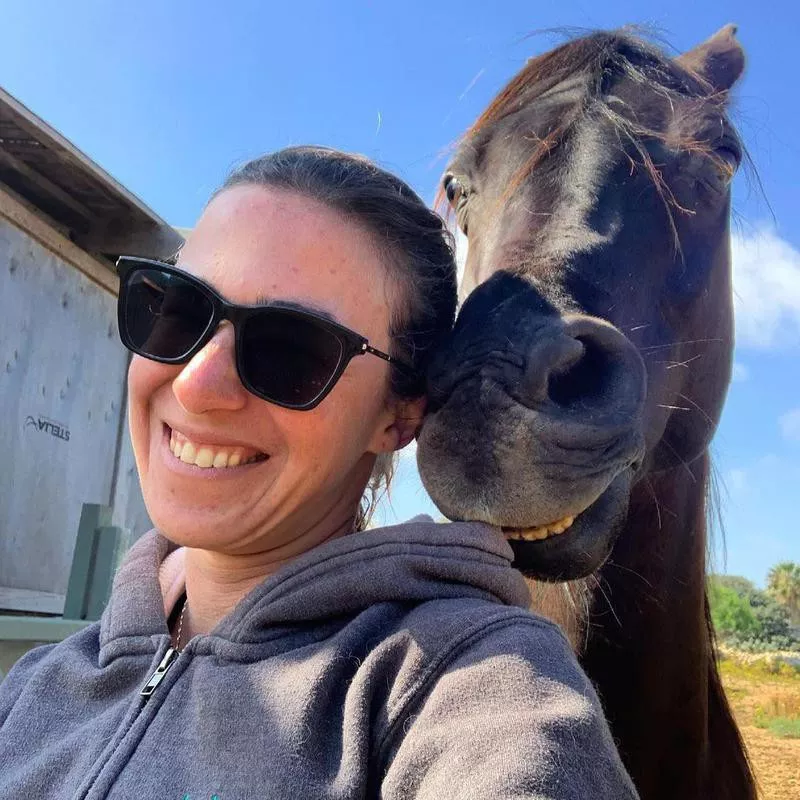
[416, 561]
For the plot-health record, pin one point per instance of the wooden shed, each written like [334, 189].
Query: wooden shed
[63, 434]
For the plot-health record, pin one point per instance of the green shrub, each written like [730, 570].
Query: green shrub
[747, 618]
[740, 585]
[784, 727]
[731, 613]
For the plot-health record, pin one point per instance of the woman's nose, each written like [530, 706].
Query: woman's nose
[210, 380]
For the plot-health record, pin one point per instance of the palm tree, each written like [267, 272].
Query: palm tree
[783, 583]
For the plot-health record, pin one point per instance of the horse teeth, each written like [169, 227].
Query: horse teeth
[540, 532]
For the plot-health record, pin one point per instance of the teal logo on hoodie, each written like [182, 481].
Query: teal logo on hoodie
[188, 797]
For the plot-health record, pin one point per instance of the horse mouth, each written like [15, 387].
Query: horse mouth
[540, 532]
[577, 545]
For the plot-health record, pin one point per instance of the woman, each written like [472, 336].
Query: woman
[259, 642]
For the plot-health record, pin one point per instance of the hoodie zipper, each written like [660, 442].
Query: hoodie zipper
[160, 671]
[156, 677]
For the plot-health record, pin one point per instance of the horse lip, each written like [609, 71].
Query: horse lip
[573, 515]
[576, 515]
[584, 547]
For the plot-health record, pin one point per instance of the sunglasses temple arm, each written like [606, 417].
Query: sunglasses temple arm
[366, 348]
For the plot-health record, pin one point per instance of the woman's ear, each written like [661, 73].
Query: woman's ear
[404, 424]
[410, 414]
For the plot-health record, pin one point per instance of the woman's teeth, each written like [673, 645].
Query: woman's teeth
[208, 456]
[542, 532]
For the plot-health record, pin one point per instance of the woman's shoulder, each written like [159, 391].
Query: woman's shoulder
[508, 694]
[451, 625]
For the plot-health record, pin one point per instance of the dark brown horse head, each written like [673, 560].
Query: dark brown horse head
[593, 348]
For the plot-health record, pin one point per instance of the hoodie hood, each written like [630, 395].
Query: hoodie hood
[413, 562]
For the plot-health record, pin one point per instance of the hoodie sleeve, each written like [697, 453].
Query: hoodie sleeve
[509, 715]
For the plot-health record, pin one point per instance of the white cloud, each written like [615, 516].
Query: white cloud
[736, 480]
[790, 425]
[766, 280]
[741, 372]
[742, 483]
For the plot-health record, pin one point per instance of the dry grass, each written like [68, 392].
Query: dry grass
[765, 696]
[780, 714]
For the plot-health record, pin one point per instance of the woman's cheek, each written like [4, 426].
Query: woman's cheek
[336, 431]
[145, 377]
[144, 380]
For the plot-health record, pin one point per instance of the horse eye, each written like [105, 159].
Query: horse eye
[726, 160]
[453, 189]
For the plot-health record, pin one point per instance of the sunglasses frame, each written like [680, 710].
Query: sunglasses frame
[352, 344]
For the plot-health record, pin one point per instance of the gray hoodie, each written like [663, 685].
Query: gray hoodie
[394, 663]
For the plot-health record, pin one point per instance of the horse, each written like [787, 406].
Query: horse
[575, 400]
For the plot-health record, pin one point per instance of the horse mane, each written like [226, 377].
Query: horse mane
[599, 56]
[730, 768]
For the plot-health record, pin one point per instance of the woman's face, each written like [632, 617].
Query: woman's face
[253, 243]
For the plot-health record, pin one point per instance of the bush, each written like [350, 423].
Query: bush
[731, 613]
[747, 618]
[740, 585]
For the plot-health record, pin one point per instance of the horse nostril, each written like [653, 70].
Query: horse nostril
[586, 365]
[584, 380]
[550, 357]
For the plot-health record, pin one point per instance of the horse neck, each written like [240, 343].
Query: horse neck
[649, 647]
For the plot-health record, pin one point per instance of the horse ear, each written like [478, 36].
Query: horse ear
[720, 59]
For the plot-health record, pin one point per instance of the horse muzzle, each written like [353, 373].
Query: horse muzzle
[543, 440]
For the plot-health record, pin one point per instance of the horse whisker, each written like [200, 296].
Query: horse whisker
[702, 411]
[632, 571]
[680, 458]
[655, 500]
[599, 587]
[676, 344]
[673, 364]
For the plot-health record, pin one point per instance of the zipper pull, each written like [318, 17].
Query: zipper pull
[160, 672]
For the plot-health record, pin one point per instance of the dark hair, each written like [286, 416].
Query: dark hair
[415, 244]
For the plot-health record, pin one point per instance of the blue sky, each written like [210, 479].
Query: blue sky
[167, 96]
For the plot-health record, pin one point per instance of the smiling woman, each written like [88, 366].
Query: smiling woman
[253, 241]
[260, 642]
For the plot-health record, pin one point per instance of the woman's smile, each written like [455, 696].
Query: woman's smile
[201, 458]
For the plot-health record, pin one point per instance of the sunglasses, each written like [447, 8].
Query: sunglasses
[286, 355]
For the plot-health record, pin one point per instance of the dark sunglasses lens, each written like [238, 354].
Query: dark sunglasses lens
[288, 358]
[165, 315]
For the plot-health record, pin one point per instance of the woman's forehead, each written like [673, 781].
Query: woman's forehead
[254, 243]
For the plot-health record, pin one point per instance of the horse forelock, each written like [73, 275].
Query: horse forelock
[598, 57]
[590, 63]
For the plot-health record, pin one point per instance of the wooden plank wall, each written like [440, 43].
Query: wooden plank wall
[62, 396]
